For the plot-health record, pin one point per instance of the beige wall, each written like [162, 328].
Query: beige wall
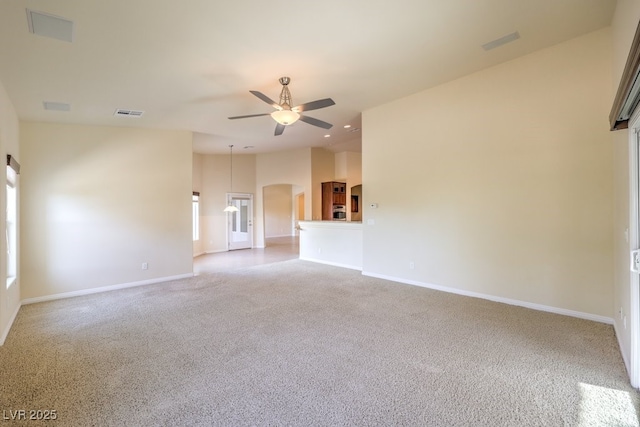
[302, 170]
[349, 169]
[624, 25]
[278, 210]
[323, 165]
[283, 167]
[9, 144]
[499, 183]
[97, 202]
[215, 178]
[215, 185]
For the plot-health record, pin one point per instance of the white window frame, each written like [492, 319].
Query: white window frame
[195, 205]
[11, 226]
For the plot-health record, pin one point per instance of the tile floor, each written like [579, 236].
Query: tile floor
[277, 249]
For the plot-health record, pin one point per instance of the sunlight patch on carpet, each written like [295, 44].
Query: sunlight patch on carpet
[602, 406]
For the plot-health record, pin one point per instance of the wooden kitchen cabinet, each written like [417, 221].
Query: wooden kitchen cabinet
[339, 198]
[334, 201]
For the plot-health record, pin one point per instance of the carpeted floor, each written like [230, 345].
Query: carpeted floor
[298, 343]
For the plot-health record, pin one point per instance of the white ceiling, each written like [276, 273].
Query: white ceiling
[190, 64]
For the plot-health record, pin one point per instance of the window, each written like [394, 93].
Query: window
[12, 223]
[196, 215]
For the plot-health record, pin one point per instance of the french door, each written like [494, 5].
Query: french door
[240, 223]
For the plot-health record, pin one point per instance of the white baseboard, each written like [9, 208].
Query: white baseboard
[198, 254]
[335, 264]
[622, 352]
[533, 306]
[5, 333]
[103, 289]
[217, 251]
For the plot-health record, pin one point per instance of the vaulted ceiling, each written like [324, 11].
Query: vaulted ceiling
[190, 64]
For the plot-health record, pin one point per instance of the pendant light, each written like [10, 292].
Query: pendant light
[230, 207]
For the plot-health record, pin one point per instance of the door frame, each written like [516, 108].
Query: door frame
[634, 243]
[298, 211]
[230, 197]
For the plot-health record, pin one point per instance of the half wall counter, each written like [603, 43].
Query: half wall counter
[336, 243]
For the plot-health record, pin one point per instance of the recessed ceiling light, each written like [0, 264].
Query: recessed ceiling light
[327, 136]
[347, 126]
[56, 106]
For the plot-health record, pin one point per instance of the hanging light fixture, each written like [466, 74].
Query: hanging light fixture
[285, 117]
[231, 207]
[284, 114]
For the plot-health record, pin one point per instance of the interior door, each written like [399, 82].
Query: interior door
[633, 320]
[240, 223]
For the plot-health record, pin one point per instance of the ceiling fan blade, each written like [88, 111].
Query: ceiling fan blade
[315, 122]
[250, 115]
[265, 98]
[314, 105]
[279, 129]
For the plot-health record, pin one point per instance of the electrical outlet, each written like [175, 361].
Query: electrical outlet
[145, 266]
[319, 250]
[412, 265]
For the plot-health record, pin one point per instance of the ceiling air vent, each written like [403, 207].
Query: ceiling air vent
[47, 25]
[501, 41]
[121, 112]
[56, 106]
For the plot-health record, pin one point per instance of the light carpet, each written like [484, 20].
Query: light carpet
[298, 343]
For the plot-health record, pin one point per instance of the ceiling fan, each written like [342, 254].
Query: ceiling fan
[286, 115]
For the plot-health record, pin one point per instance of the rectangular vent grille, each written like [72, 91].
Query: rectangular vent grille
[56, 106]
[47, 25]
[121, 112]
[501, 41]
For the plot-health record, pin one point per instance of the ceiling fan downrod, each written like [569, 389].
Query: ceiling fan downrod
[285, 95]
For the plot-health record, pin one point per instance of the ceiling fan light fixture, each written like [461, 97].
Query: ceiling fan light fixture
[285, 114]
[285, 117]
